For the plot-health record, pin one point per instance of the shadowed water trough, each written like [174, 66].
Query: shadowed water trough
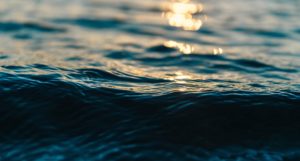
[150, 80]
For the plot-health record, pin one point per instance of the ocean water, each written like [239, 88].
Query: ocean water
[211, 80]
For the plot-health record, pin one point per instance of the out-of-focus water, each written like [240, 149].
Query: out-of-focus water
[150, 80]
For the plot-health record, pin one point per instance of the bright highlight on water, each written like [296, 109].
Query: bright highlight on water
[171, 80]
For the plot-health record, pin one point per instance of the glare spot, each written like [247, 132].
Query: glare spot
[217, 51]
[184, 14]
[180, 77]
[182, 47]
[181, 14]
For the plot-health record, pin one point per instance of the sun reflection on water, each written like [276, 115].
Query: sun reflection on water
[217, 51]
[184, 14]
[180, 77]
[182, 47]
[181, 13]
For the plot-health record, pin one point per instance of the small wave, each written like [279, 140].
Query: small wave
[111, 76]
[100, 80]
[265, 33]
[18, 26]
[92, 23]
[49, 111]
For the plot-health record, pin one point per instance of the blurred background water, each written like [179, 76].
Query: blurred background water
[150, 80]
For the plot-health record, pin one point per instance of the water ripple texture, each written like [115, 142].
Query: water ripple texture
[149, 80]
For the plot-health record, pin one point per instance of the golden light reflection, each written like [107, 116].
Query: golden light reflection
[180, 77]
[182, 47]
[187, 49]
[181, 13]
[217, 51]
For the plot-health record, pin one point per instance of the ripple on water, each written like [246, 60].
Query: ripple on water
[93, 23]
[134, 80]
[18, 26]
[117, 118]
[261, 32]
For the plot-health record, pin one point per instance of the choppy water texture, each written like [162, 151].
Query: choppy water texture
[150, 80]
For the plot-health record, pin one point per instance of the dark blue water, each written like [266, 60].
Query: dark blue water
[149, 80]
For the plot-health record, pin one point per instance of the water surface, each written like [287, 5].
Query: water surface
[150, 80]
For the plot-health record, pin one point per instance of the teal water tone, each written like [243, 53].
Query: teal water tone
[150, 80]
